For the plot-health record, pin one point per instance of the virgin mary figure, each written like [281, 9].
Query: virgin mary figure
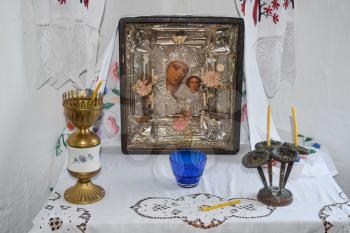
[166, 100]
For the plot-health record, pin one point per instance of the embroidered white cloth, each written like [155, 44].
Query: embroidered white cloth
[68, 38]
[142, 196]
[273, 21]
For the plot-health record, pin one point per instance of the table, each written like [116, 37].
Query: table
[142, 196]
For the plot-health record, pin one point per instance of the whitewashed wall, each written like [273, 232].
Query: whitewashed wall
[321, 91]
[30, 122]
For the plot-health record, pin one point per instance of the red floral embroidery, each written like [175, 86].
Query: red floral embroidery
[115, 71]
[275, 4]
[86, 3]
[275, 18]
[112, 123]
[243, 6]
[244, 114]
[268, 10]
[256, 10]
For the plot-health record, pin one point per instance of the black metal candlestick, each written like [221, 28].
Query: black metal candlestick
[255, 159]
[301, 150]
[270, 148]
[273, 195]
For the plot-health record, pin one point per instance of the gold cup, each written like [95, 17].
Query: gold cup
[83, 146]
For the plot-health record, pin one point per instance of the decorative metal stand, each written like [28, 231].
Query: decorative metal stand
[273, 145]
[83, 146]
[264, 154]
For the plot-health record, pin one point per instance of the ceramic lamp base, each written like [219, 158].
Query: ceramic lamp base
[84, 191]
[272, 196]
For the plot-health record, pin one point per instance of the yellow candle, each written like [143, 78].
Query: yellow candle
[82, 93]
[268, 125]
[214, 207]
[295, 126]
[94, 94]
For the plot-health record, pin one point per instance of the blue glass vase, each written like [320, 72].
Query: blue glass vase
[187, 166]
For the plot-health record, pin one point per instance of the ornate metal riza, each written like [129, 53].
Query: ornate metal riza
[160, 58]
[265, 154]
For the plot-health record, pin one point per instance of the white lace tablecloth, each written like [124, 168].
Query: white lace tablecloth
[142, 196]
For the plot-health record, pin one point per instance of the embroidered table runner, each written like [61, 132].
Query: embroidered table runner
[142, 196]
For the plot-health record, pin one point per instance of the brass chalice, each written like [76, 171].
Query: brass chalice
[83, 146]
